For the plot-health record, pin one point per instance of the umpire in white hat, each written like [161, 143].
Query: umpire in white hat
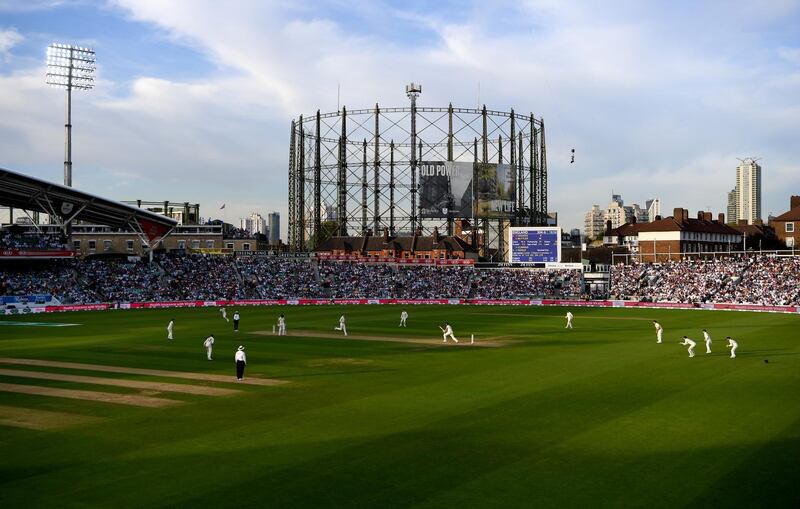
[241, 362]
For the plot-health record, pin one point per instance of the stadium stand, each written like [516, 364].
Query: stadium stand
[753, 279]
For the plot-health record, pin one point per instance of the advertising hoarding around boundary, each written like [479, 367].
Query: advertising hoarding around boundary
[534, 245]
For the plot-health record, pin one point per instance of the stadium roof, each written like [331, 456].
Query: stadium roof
[68, 204]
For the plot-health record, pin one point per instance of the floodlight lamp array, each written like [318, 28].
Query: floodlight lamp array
[70, 66]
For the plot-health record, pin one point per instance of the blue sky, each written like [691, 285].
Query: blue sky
[194, 97]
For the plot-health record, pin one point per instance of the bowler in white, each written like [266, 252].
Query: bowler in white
[342, 326]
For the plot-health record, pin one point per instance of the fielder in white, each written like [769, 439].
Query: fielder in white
[403, 318]
[691, 344]
[448, 331]
[569, 320]
[733, 345]
[707, 339]
[342, 326]
[659, 331]
[281, 325]
[209, 344]
[170, 326]
[224, 314]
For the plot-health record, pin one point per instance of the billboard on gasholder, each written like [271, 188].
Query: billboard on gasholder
[445, 189]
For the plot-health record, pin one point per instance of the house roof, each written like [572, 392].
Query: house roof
[669, 224]
[792, 215]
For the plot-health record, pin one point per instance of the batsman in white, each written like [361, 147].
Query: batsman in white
[224, 314]
[569, 320]
[403, 318]
[707, 339]
[170, 326]
[733, 345]
[659, 331]
[342, 326]
[447, 330]
[209, 344]
[691, 344]
[281, 325]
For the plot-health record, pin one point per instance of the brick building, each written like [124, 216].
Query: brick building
[669, 237]
[786, 225]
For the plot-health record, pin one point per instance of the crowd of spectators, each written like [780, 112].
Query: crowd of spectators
[56, 279]
[426, 282]
[118, 281]
[762, 280]
[769, 281]
[35, 240]
[201, 277]
[353, 280]
[526, 283]
[279, 278]
[758, 279]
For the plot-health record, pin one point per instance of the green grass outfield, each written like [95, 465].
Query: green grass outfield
[598, 416]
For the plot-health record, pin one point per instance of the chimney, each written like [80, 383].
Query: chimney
[678, 214]
[742, 222]
[701, 215]
[385, 235]
[759, 222]
[721, 218]
[658, 217]
[633, 219]
[794, 202]
[608, 226]
[435, 235]
[707, 216]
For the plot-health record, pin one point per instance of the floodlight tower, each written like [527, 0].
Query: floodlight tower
[70, 67]
[413, 90]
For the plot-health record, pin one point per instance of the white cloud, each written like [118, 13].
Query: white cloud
[9, 37]
[654, 100]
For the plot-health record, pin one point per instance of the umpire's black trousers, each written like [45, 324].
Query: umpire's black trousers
[240, 369]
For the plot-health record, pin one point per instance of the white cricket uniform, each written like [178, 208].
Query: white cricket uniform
[691, 344]
[707, 339]
[281, 326]
[448, 331]
[209, 344]
[224, 314]
[342, 327]
[569, 320]
[169, 329]
[733, 345]
[659, 332]
[403, 318]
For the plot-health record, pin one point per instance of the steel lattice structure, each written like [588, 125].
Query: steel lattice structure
[361, 168]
